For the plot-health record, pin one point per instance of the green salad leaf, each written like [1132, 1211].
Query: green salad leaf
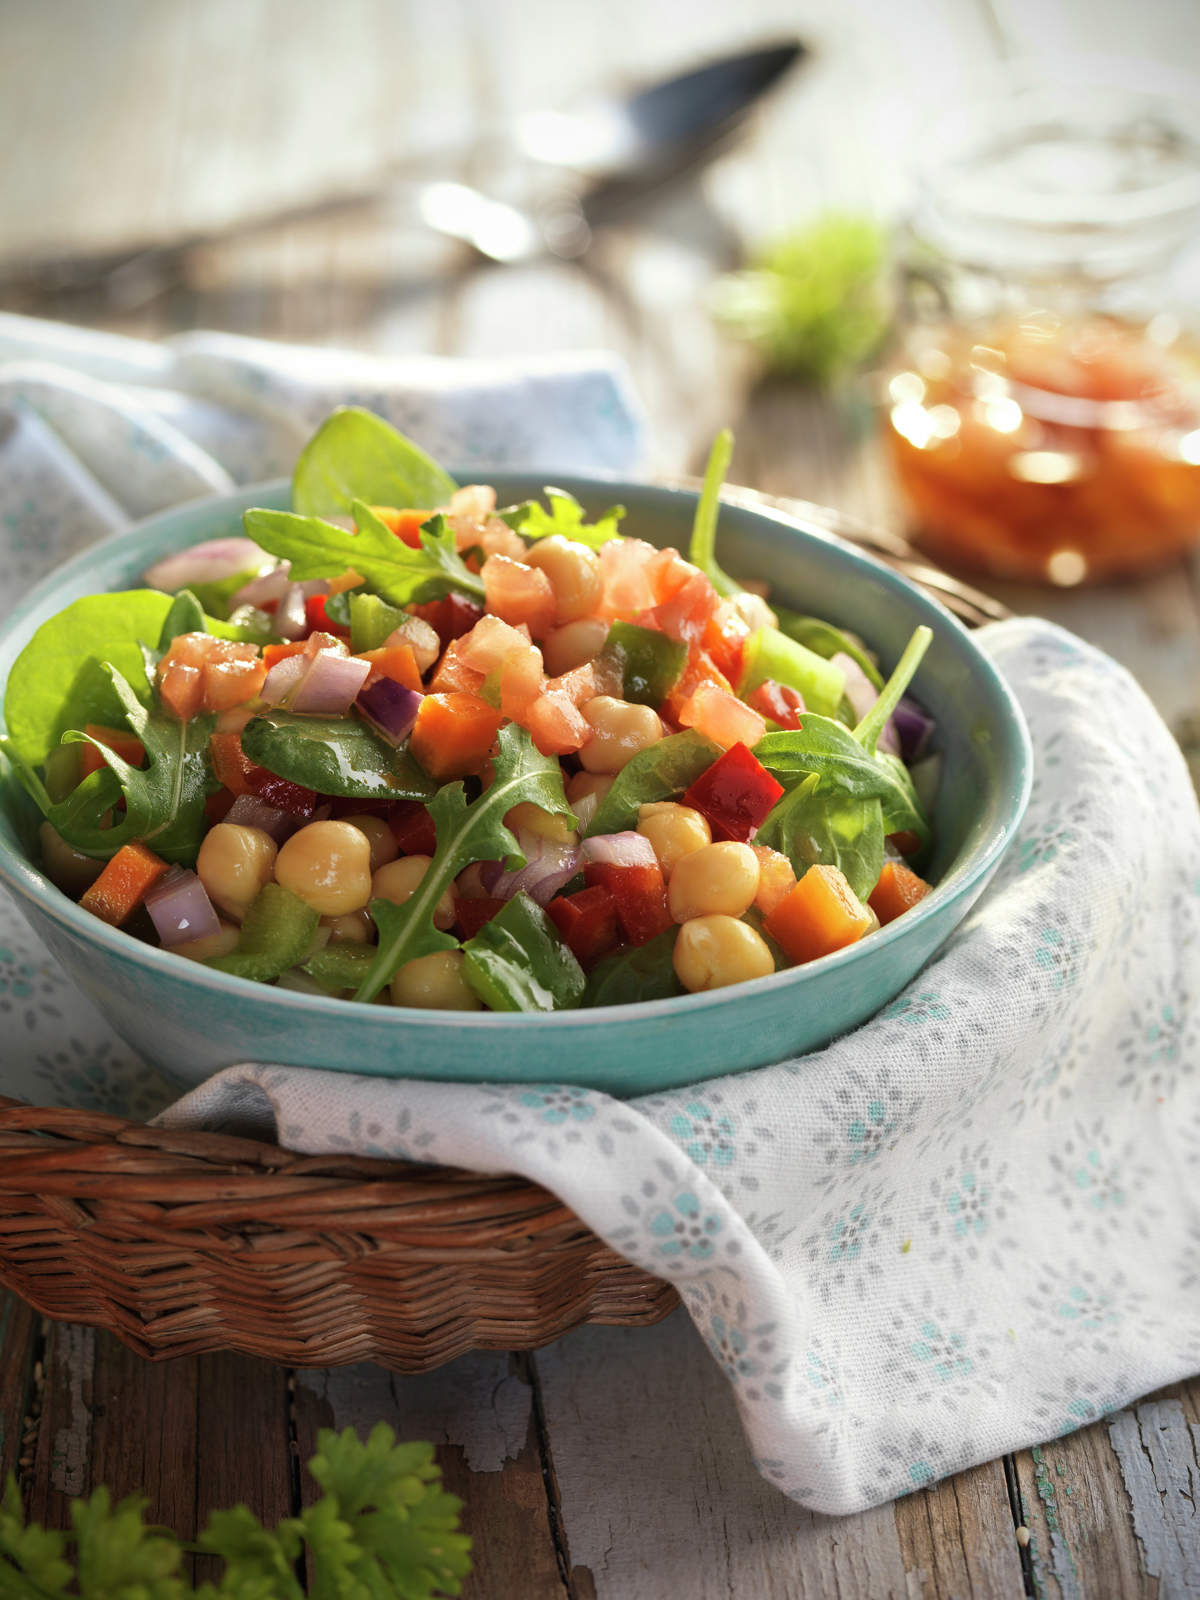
[813, 824]
[661, 772]
[370, 619]
[518, 962]
[466, 832]
[396, 572]
[645, 972]
[873, 724]
[823, 639]
[355, 455]
[702, 550]
[335, 755]
[832, 752]
[565, 518]
[277, 933]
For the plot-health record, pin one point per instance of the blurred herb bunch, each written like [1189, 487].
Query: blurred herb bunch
[384, 1529]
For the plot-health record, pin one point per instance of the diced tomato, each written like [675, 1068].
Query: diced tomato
[556, 726]
[453, 734]
[489, 642]
[181, 687]
[725, 638]
[587, 921]
[405, 525]
[721, 717]
[453, 676]
[521, 680]
[119, 740]
[317, 619]
[688, 613]
[580, 684]
[413, 829]
[776, 880]
[449, 617]
[519, 593]
[735, 794]
[202, 673]
[281, 793]
[700, 669]
[668, 572]
[624, 567]
[231, 683]
[394, 661]
[779, 702]
[217, 806]
[471, 915]
[640, 896]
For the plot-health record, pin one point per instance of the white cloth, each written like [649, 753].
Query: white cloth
[971, 1225]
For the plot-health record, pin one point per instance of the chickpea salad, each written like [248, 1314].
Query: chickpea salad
[399, 745]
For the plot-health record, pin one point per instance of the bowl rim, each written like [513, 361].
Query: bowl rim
[27, 883]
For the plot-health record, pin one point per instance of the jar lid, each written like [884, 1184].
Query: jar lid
[1094, 172]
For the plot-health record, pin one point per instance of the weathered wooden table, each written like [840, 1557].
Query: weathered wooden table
[611, 1464]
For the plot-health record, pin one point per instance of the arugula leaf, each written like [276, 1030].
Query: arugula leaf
[185, 616]
[661, 772]
[355, 455]
[815, 824]
[518, 962]
[466, 832]
[702, 551]
[277, 933]
[397, 572]
[645, 972]
[831, 752]
[565, 517]
[335, 755]
[823, 639]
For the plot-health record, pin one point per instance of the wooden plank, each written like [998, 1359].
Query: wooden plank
[660, 1497]
[479, 1413]
[18, 1334]
[242, 1446]
[1111, 1509]
[144, 1420]
[62, 1455]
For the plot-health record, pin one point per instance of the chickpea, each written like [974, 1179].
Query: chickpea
[328, 864]
[574, 574]
[718, 879]
[400, 879]
[545, 824]
[714, 951]
[435, 982]
[573, 644]
[233, 865]
[65, 866]
[675, 831]
[222, 943]
[355, 927]
[582, 784]
[619, 731]
[379, 836]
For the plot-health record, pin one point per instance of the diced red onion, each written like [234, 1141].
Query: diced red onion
[331, 685]
[421, 639]
[914, 728]
[390, 708]
[204, 563]
[264, 590]
[585, 809]
[251, 812]
[862, 695]
[180, 908]
[548, 866]
[620, 850]
[291, 619]
[284, 677]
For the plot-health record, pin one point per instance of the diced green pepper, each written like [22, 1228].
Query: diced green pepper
[650, 662]
[277, 934]
[372, 620]
[517, 962]
[340, 966]
[771, 654]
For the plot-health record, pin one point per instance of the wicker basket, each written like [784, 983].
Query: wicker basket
[181, 1243]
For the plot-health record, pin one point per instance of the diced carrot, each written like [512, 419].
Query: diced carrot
[453, 734]
[230, 765]
[394, 661]
[273, 653]
[898, 890]
[776, 880]
[118, 740]
[722, 717]
[518, 593]
[346, 580]
[821, 914]
[405, 525]
[121, 887]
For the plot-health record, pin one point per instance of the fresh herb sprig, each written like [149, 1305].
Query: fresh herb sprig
[383, 1526]
[565, 518]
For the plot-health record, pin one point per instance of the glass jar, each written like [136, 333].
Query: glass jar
[1042, 410]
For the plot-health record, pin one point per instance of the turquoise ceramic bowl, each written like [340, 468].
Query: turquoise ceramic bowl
[191, 1021]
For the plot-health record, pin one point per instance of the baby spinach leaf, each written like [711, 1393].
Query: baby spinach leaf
[831, 752]
[872, 725]
[517, 962]
[702, 550]
[823, 639]
[277, 933]
[355, 455]
[565, 518]
[645, 972]
[185, 616]
[466, 832]
[814, 823]
[335, 755]
[396, 572]
[661, 772]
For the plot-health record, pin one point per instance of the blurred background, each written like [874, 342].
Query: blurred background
[297, 170]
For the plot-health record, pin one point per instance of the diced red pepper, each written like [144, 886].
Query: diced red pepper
[217, 806]
[725, 640]
[319, 621]
[230, 764]
[640, 896]
[735, 794]
[450, 617]
[778, 701]
[413, 829]
[587, 921]
[234, 768]
[471, 915]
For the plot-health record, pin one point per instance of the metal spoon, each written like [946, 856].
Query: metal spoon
[594, 162]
